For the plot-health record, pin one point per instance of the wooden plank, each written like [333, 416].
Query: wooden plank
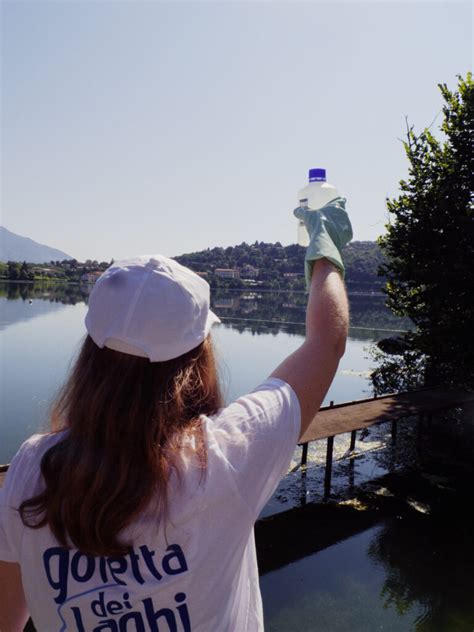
[341, 418]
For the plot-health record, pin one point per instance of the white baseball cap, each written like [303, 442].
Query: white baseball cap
[149, 306]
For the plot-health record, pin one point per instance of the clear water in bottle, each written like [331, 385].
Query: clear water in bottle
[314, 195]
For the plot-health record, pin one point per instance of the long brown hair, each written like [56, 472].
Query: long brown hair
[126, 418]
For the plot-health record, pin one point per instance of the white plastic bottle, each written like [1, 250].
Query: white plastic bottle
[314, 195]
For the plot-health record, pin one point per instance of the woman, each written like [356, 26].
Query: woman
[136, 511]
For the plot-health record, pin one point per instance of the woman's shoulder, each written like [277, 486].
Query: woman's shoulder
[268, 413]
[22, 476]
[40, 442]
[32, 450]
[273, 396]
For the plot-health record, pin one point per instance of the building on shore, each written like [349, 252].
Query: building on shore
[249, 272]
[90, 277]
[227, 273]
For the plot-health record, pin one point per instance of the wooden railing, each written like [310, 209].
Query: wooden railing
[334, 420]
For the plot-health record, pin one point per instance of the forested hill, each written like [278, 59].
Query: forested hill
[276, 266]
[259, 265]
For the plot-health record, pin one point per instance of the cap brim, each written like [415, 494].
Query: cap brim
[212, 319]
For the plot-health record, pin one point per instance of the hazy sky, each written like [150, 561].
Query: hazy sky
[169, 127]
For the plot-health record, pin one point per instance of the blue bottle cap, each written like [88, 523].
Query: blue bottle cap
[316, 175]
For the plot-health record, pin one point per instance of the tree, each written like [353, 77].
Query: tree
[25, 274]
[13, 270]
[430, 252]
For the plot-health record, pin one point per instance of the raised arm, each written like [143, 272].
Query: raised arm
[311, 368]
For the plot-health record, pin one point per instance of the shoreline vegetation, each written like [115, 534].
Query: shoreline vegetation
[370, 291]
[242, 308]
[262, 266]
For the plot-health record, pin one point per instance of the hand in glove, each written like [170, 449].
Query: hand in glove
[329, 230]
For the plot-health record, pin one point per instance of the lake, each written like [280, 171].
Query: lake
[41, 331]
[403, 563]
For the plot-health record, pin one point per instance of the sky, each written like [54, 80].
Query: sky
[146, 127]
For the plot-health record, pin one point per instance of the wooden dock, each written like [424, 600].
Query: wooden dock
[337, 419]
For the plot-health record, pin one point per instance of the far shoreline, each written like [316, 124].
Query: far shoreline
[249, 288]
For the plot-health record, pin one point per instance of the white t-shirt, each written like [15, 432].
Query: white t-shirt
[201, 577]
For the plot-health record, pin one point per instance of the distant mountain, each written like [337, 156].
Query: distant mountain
[17, 248]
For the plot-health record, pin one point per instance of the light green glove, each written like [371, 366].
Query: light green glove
[329, 230]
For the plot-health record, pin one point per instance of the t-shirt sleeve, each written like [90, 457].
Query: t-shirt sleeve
[11, 526]
[257, 435]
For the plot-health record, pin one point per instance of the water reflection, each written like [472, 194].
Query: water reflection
[66, 293]
[429, 566]
[405, 563]
[254, 311]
